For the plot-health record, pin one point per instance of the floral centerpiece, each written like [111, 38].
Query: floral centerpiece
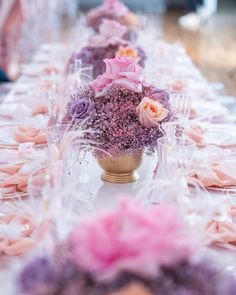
[125, 114]
[130, 251]
[113, 10]
[107, 44]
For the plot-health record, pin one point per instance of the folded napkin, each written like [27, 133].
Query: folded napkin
[214, 112]
[233, 211]
[214, 166]
[11, 169]
[222, 233]
[39, 109]
[224, 135]
[219, 174]
[23, 108]
[13, 180]
[15, 234]
[178, 87]
[195, 132]
[30, 134]
[52, 69]
[24, 152]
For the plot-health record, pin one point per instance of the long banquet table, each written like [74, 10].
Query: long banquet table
[98, 194]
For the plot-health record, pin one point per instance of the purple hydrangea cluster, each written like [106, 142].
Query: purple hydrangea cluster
[48, 277]
[114, 119]
[96, 55]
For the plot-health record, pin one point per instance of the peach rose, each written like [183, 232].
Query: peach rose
[131, 19]
[128, 52]
[151, 112]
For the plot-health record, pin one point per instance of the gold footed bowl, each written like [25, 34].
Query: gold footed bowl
[121, 169]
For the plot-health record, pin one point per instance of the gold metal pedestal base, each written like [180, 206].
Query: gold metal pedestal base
[120, 178]
[121, 169]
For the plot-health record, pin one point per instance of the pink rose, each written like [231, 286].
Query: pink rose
[100, 84]
[110, 33]
[131, 238]
[123, 72]
[151, 112]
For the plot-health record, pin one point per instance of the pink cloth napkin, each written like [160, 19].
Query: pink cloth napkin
[39, 109]
[198, 132]
[213, 112]
[30, 134]
[19, 235]
[14, 181]
[49, 70]
[195, 132]
[11, 169]
[17, 240]
[178, 87]
[219, 174]
[222, 233]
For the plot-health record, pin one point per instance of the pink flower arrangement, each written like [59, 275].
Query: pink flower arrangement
[113, 10]
[132, 238]
[123, 72]
[124, 112]
[111, 40]
[110, 33]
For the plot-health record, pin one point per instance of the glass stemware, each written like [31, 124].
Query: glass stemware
[174, 154]
[180, 106]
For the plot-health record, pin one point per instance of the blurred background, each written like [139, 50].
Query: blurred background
[210, 40]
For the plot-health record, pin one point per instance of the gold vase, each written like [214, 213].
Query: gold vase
[121, 169]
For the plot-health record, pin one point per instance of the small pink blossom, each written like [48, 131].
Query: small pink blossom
[120, 71]
[151, 112]
[110, 33]
[132, 238]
